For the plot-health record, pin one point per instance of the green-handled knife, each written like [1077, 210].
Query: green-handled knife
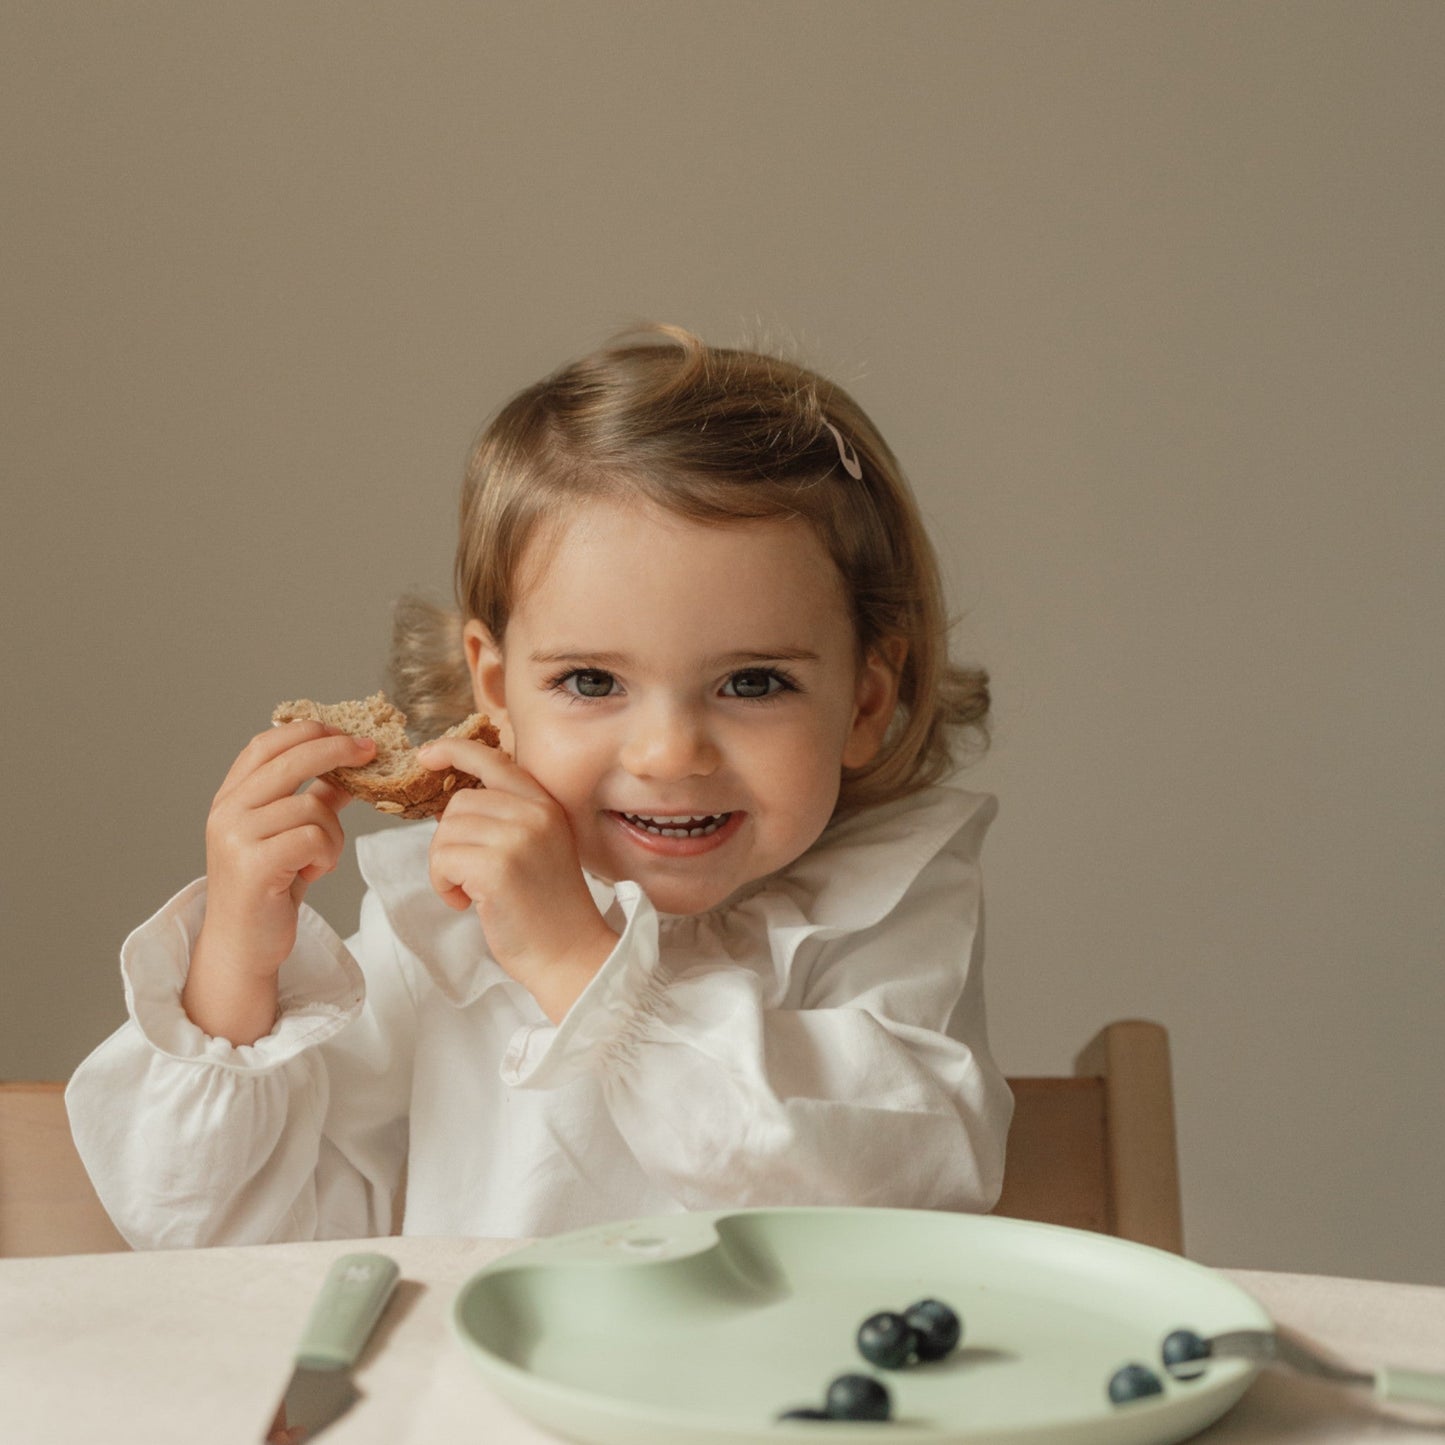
[356, 1290]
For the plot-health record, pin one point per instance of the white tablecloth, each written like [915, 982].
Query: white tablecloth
[195, 1347]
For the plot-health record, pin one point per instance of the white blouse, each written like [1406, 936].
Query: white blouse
[818, 1039]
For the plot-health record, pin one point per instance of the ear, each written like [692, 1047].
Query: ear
[875, 701]
[489, 679]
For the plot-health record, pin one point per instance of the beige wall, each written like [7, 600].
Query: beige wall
[1147, 296]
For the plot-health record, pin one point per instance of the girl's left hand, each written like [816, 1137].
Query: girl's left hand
[507, 849]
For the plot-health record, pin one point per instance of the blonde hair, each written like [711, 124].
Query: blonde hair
[712, 435]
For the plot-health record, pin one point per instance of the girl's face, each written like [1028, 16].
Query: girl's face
[688, 693]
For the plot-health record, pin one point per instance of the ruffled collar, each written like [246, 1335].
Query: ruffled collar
[851, 879]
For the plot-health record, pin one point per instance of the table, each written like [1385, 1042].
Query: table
[195, 1346]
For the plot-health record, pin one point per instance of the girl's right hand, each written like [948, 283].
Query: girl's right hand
[266, 841]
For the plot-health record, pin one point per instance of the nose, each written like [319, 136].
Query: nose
[669, 742]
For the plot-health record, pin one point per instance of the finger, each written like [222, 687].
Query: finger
[457, 898]
[536, 807]
[448, 869]
[455, 862]
[445, 876]
[271, 744]
[285, 773]
[295, 837]
[267, 749]
[461, 837]
[490, 765]
[483, 855]
[279, 861]
[455, 895]
[297, 810]
[332, 795]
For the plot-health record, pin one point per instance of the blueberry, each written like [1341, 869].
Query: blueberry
[1134, 1382]
[858, 1397]
[805, 1412]
[885, 1339]
[1182, 1350]
[937, 1328]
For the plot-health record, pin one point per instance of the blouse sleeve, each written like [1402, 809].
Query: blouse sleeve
[851, 1067]
[193, 1141]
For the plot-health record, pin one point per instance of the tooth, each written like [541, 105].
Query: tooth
[678, 825]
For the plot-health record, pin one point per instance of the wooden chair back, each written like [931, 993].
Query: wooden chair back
[1098, 1150]
[47, 1203]
[1092, 1151]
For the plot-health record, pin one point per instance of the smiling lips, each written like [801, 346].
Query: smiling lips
[684, 825]
[679, 834]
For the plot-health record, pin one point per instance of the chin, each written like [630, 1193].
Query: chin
[673, 898]
[667, 895]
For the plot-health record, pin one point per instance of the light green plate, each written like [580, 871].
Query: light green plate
[699, 1329]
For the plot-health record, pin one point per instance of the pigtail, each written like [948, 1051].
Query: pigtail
[966, 701]
[961, 735]
[427, 676]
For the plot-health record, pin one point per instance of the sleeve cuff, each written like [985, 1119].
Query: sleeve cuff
[321, 988]
[602, 1028]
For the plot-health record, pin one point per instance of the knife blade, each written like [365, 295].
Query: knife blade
[353, 1295]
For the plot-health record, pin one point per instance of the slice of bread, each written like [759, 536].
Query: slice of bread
[394, 781]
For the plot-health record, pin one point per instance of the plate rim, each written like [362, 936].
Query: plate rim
[1231, 1377]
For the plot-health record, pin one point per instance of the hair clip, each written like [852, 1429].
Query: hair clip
[846, 454]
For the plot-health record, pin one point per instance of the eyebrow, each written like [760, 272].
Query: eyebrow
[726, 659]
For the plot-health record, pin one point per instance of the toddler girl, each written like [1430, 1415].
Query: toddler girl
[709, 934]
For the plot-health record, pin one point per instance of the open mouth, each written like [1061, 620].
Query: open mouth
[685, 825]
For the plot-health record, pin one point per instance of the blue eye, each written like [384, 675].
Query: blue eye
[585, 682]
[757, 682]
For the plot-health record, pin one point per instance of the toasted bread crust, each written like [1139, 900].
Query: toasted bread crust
[394, 782]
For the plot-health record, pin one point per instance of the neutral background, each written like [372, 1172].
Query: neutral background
[1146, 296]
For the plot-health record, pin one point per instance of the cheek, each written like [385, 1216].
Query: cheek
[557, 758]
[802, 775]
